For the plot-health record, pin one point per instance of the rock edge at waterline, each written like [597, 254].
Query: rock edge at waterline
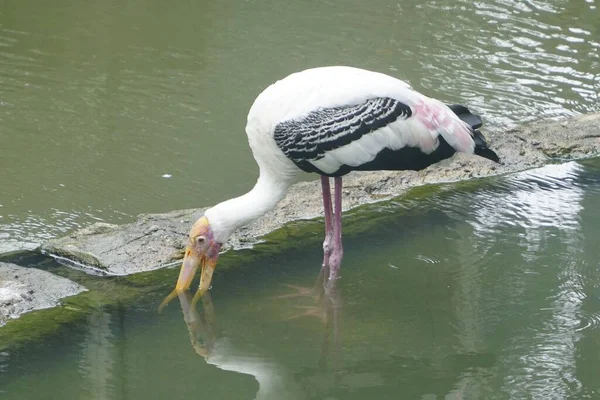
[28, 289]
[156, 240]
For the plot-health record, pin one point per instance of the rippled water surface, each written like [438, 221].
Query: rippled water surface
[113, 108]
[487, 290]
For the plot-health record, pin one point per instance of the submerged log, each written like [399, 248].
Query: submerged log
[157, 240]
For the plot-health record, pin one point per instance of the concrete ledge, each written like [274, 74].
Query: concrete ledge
[157, 240]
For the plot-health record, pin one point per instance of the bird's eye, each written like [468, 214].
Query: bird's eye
[200, 239]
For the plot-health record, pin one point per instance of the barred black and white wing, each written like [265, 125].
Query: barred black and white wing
[334, 120]
[327, 138]
[378, 134]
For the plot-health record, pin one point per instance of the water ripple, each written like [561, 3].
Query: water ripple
[545, 197]
[526, 65]
[27, 233]
[588, 321]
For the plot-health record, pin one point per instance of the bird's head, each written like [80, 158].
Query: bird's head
[202, 250]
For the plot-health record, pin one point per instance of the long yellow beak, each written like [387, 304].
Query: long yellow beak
[190, 265]
[208, 267]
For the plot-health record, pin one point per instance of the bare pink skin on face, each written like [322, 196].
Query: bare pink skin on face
[436, 117]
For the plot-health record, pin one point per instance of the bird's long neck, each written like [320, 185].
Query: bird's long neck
[228, 216]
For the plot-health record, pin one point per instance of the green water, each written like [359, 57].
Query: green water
[113, 108]
[487, 293]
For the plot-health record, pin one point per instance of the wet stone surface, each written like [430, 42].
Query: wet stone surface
[27, 289]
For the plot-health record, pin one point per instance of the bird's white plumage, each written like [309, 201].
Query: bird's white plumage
[302, 93]
[299, 94]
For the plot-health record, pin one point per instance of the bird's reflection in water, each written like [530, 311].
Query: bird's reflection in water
[275, 381]
[200, 327]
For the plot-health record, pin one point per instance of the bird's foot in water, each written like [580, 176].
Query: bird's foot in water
[327, 302]
[298, 291]
[317, 311]
[315, 293]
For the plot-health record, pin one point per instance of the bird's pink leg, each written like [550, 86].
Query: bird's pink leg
[328, 242]
[337, 253]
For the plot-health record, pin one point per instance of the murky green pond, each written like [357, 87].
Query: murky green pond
[485, 291]
[492, 290]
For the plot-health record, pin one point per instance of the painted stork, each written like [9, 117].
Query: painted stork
[330, 121]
